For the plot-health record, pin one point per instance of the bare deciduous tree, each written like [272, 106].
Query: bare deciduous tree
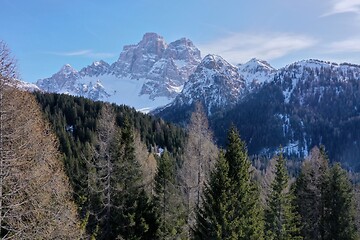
[35, 196]
[199, 156]
[147, 162]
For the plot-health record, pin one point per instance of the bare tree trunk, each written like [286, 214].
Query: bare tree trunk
[199, 157]
[7, 72]
[101, 168]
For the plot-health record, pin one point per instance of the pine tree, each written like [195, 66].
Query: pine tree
[167, 200]
[281, 219]
[339, 219]
[231, 208]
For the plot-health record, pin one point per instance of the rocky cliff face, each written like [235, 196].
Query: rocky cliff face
[215, 82]
[151, 69]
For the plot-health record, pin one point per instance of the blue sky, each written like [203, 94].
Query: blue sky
[46, 34]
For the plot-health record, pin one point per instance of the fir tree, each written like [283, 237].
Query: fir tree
[339, 217]
[310, 190]
[246, 193]
[281, 219]
[215, 219]
[167, 200]
[230, 208]
[120, 205]
[137, 219]
[325, 199]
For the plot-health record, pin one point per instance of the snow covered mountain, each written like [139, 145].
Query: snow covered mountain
[146, 75]
[215, 82]
[303, 104]
[256, 72]
[24, 86]
[313, 78]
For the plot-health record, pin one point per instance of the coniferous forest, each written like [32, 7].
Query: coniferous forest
[71, 168]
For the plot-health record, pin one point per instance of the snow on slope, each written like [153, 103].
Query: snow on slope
[256, 72]
[215, 82]
[123, 91]
[147, 75]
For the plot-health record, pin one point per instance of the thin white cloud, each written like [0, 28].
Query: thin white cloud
[345, 46]
[343, 6]
[241, 47]
[83, 53]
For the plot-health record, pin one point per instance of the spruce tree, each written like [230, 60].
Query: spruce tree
[215, 218]
[281, 219]
[310, 189]
[246, 193]
[231, 208]
[339, 219]
[167, 200]
[325, 199]
[121, 207]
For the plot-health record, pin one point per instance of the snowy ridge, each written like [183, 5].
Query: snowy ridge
[313, 76]
[23, 86]
[146, 75]
[215, 82]
[256, 72]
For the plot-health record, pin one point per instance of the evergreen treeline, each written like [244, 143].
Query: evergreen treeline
[115, 201]
[119, 174]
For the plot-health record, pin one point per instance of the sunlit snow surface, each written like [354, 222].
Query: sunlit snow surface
[125, 91]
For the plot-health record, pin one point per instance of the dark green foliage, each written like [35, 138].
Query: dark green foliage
[231, 207]
[167, 199]
[325, 200]
[339, 222]
[281, 219]
[75, 121]
[310, 190]
[256, 119]
[137, 218]
[216, 219]
[245, 190]
[323, 109]
[121, 207]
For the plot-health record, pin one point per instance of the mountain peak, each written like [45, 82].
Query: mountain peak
[256, 72]
[256, 64]
[312, 63]
[149, 70]
[153, 43]
[215, 82]
[183, 49]
[67, 69]
[99, 63]
[183, 41]
[95, 69]
[152, 36]
[212, 61]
